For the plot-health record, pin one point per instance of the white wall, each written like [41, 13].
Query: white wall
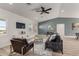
[11, 19]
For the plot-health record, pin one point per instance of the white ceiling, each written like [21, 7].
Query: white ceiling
[29, 11]
[70, 10]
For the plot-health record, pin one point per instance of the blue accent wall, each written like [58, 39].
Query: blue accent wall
[43, 26]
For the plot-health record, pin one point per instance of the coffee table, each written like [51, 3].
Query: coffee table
[39, 49]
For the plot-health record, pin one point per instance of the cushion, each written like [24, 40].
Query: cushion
[52, 37]
[56, 39]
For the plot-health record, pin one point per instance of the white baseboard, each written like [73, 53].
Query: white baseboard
[69, 36]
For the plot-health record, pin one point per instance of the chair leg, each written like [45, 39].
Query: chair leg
[77, 38]
[22, 51]
[33, 49]
[11, 50]
[62, 51]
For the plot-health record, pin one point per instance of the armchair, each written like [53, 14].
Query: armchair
[20, 46]
[55, 44]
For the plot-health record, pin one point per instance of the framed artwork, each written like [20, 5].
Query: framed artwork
[75, 26]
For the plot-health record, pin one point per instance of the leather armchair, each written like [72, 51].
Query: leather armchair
[21, 46]
[55, 44]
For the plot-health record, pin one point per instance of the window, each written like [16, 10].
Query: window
[2, 26]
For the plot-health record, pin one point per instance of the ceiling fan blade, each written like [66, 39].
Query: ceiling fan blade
[48, 9]
[41, 13]
[38, 11]
[42, 8]
[47, 12]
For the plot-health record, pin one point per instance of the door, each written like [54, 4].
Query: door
[61, 29]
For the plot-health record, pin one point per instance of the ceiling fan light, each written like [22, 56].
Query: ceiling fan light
[28, 3]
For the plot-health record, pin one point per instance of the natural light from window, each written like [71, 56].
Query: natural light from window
[2, 26]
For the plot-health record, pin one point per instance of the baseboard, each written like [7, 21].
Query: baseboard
[70, 36]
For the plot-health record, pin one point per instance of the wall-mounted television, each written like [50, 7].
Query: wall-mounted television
[20, 25]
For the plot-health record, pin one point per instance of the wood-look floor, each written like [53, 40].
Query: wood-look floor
[71, 48]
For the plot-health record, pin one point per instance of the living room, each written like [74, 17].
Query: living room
[36, 22]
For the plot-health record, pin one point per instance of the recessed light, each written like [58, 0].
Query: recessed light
[62, 11]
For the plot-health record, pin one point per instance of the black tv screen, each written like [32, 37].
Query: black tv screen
[20, 25]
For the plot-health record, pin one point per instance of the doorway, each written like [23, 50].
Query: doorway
[61, 29]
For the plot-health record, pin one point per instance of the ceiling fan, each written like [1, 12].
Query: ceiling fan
[43, 10]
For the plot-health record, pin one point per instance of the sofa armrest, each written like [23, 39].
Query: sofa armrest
[32, 42]
[23, 48]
